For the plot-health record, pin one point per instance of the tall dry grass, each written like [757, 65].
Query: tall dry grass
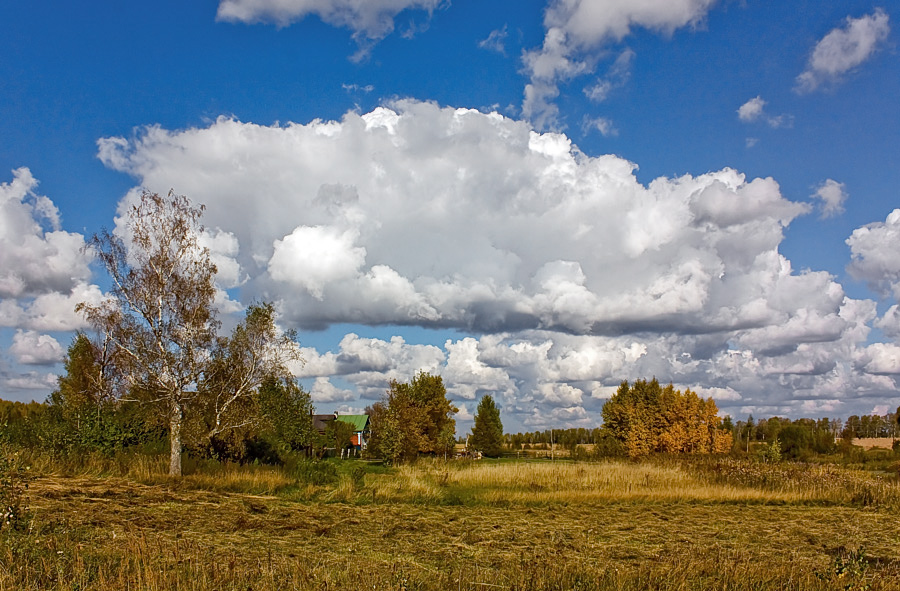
[519, 526]
[530, 483]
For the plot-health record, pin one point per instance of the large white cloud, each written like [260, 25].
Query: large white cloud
[44, 274]
[577, 29]
[36, 256]
[875, 254]
[454, 218]
[843, 49]
[575, 275]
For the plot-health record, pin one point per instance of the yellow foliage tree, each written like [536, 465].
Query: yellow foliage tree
[648, 418]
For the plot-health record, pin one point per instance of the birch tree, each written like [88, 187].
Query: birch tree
[161, 321]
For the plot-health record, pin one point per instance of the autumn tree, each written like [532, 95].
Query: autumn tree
[161, 325]
[413, 418]
[487, 433]
[646, 417]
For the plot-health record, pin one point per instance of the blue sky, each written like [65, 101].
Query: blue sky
[536, 200]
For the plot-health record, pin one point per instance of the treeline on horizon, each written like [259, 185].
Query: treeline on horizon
[642, 418]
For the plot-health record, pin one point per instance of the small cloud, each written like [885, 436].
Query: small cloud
[751, 141]
[843, 49]
[751, 110]
[324, 391]
[754, 110]
[496, 41]
[602, 124]
[833, 196]
[616, 77]
[350, 88]
[370, 21]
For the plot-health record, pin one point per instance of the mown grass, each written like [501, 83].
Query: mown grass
[459, 525]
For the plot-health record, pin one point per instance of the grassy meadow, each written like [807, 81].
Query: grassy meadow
[668, 524]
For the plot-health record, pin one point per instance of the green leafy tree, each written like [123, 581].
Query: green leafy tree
[339, 435]
[287, 410]
[487, 433]
[84, 413]
[413, 418]
[228, 402]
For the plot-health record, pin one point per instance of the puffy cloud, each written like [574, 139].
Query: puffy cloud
[342, 231]
[754, 110]
[32, 348]
[577, 29]
[370, 20]
[324, 391]
[51, 312]
[843, 49]
[28, 382]
[36, 256]
[575, 274]
[880, 358]
[44, 270]
[875, 254]
[889, 324]
[833, 196]
[311, 257]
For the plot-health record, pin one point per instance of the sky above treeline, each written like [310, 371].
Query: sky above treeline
[533, 199]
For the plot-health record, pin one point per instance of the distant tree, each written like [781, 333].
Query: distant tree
[796, 440]
[339, 435]
[413, 418]
[487, 433]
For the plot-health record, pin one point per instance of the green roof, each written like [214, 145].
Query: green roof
[359, 422]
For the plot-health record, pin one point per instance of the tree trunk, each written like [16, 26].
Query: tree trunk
[175, 423]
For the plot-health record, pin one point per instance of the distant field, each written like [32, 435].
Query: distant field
[468, 525]
[870, 442]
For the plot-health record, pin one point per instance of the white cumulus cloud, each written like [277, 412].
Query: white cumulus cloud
[833, 195]
[577, 30]
[574, 274]
[875, 254]
[370, 20]
[32, 348]
[843, 49]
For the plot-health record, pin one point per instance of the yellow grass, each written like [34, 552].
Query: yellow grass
[872, 442]
[561, 482]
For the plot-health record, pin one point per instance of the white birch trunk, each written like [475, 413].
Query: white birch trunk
[175, 423]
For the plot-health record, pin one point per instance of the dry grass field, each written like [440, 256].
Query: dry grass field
[873, 442]
[462, 525]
